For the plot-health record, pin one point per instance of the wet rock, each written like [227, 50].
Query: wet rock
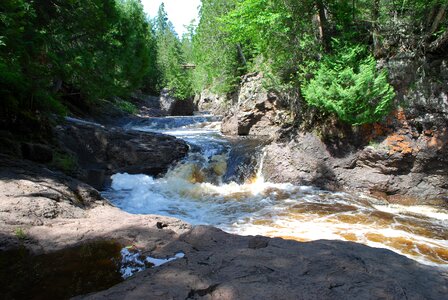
[218, 164]
[221, 266]
[115, 150]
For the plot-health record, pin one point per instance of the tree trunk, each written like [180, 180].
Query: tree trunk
[440, 46]
[353, 12]
[241, 54]
[375, 19]
[438, 18]
[323, 25]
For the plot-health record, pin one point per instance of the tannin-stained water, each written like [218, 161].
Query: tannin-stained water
[221, 184]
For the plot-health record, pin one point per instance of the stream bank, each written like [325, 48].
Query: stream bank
[403, 159]
[216, 265]
[45, 211]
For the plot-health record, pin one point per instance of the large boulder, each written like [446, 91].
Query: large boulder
[102, 152]
[218, 265]
[175, 107]
[43, 210]
[31, 194]
[256, 111]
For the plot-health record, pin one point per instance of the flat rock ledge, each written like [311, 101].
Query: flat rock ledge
[55, 211]
[218, 265]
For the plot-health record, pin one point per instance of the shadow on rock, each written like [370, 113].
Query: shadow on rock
[218, 265]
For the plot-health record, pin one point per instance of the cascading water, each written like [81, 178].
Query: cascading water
[221, 184]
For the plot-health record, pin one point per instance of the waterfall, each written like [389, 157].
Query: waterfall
[221, 183]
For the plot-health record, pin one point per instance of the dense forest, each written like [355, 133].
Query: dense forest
[56, 54]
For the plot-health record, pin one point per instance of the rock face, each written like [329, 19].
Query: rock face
[175, 107]
[221, 266]
[215, 104]
[422, 84]
[149, 106]
[100, 150]
[400, 168]
[403, 159]
[256, 111]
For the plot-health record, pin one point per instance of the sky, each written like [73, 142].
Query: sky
[180, 12]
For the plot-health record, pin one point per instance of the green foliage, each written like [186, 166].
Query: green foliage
[89, 49]
[218, 66]
[170, 58]
[20, 234]
[65, 162]
[126, 106]
[274, 35]
[59, 51]
[349, 85]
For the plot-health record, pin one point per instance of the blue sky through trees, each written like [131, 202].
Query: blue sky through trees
[180, 12]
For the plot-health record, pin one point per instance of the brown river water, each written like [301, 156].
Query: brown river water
[221, 184]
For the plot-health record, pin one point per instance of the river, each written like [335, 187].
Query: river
[220, 183]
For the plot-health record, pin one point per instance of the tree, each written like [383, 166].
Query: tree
[348, 84]
[216, 60]
[170, 58]
[77, 50]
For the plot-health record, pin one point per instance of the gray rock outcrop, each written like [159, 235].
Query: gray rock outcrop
[399, 169]
[175, 107]
[256, 111]
[101, 151]
[212, 103]
[422, 85]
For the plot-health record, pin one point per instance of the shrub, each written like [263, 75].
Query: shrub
[20, 234]
[65, 162]
[126, 106]
[348, 84]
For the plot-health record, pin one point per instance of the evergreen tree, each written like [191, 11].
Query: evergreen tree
[80, 50]
[170, 58]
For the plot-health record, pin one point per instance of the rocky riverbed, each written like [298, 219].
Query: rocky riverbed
[45, 211]
[55, 212]
[402, 159]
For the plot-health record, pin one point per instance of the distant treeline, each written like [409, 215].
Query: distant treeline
[55, 52]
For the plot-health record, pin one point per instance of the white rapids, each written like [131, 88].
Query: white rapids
[197, 191]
